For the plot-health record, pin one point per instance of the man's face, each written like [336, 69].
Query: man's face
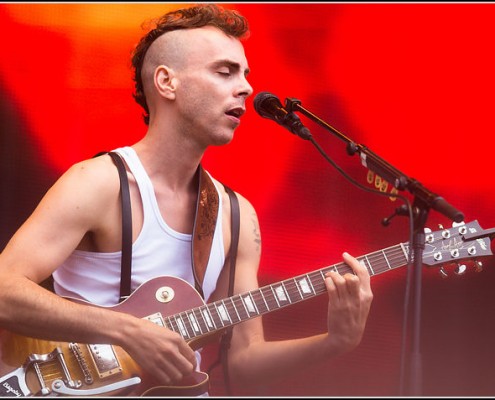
[211, 84]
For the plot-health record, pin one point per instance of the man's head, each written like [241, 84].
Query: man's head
[228, 21]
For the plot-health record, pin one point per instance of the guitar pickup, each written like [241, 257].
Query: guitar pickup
[105, 360]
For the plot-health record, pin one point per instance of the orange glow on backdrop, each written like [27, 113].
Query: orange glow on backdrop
[413, 82]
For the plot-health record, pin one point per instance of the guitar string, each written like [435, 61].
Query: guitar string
[394, 255]
[375, 262]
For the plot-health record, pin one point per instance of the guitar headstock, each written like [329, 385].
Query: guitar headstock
[457, 244]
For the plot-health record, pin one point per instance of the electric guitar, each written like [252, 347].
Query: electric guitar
[33, 367]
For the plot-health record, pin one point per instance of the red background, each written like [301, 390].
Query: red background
[413, 82]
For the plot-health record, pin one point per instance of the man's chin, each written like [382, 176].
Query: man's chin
[222, 140]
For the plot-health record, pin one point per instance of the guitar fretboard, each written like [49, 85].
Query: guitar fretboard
[221, 314]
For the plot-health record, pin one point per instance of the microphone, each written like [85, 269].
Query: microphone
[269, 106]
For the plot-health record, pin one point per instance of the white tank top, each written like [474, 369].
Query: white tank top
[158, 250]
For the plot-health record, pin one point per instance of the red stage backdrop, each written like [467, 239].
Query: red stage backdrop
[412, 82]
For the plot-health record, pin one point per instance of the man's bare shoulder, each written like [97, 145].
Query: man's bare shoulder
[86, 187]
[94, 174]
[244, 203]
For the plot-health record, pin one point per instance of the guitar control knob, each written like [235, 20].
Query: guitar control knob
[478, 266]
[164, 294]
[443, 273]
[460, 269]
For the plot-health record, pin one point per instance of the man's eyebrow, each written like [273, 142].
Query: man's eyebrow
[231, 64]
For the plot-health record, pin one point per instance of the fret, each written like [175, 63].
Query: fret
[281, 294]
[194, 323]
[251, 304]
[304, 286]
[372, 272]
[169, 325]
[311, 284]
[260, 305]
[292, 290]
[199, 317]
[298, 289]
[174, 326]
[275, 296]
[322, 275]
[210, 323]
[216, 316]
[220, 313]
[267, 298]
[244, 303]
[187, 325]
[406, 253]
[241, 310]
[182, 328]
[284, 289]
[317, 283]
[224, 314]
[235, 309]
[386, 259]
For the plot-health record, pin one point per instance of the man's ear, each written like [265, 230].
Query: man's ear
[165, 82]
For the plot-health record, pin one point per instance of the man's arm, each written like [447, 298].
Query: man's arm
[79, 202]
[252, 359]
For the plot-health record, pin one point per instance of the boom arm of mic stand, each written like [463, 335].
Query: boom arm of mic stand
[378, 165]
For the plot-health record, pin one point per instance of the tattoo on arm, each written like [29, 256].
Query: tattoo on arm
[256, 232]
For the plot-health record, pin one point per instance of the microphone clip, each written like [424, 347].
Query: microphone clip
[290, 102]
[293, 121]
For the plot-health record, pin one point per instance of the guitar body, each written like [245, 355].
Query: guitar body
[98, 368]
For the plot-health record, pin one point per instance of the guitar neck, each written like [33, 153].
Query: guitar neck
[224, 313]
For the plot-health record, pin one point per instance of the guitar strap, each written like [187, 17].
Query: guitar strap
[235, 227]
[204, 227]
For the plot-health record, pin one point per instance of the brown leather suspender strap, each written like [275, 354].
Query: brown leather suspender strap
[235, 223]
[235, 227]
[126, 263]
[227, 335]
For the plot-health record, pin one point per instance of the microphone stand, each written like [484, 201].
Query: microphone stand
[424, 200]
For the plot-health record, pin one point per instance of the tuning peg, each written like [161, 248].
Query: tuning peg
[443, 273]
[460, 269]
[461, 227]
[429, 238]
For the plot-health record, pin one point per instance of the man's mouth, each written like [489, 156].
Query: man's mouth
[236, 112]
